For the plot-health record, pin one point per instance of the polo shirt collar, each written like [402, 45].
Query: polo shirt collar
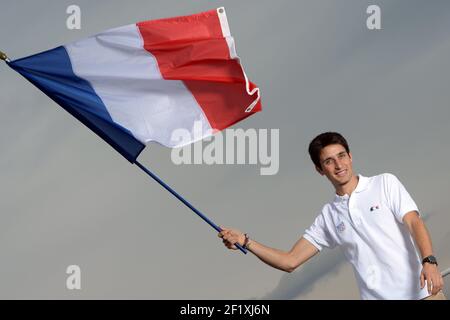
[363, 183]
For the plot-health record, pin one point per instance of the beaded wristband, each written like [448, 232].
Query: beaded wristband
[246, 241]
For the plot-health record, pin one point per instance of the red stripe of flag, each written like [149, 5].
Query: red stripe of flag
[193, 49]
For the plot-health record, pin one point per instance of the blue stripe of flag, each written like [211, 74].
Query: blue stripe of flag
[51, 71]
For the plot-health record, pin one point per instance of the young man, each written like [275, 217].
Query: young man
[375, 222]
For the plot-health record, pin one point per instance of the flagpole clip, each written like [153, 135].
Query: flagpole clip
[4, 57]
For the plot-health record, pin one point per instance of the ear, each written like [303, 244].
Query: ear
[350, 156]
[320, 171]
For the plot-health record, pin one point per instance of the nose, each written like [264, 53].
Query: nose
[338, 164]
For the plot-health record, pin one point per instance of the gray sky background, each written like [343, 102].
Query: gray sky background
[68, 198]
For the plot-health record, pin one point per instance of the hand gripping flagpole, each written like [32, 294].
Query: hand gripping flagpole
[201, 215]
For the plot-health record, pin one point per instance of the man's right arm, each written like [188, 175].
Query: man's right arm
[301, 252]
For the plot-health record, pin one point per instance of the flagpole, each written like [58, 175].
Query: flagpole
[201, 215]
[4, 57]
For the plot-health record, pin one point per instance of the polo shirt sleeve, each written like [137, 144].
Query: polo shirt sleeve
[398, 199]
[318, 235]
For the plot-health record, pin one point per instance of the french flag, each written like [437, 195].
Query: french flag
[138, 83]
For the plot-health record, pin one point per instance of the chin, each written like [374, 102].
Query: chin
[344, 180]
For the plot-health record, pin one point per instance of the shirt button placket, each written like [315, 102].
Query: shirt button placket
[353, 212]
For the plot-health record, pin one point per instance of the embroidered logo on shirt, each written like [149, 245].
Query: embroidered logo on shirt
[341, 227]
[377, 207]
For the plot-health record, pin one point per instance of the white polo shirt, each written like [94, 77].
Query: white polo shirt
[368, 227]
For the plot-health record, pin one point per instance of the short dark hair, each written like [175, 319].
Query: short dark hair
[323, 140]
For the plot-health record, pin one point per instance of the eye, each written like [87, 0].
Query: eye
[327, 162]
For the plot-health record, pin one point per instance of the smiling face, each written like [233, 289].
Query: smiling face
[336, 165]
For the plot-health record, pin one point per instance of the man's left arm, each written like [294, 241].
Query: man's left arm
[419, 232]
